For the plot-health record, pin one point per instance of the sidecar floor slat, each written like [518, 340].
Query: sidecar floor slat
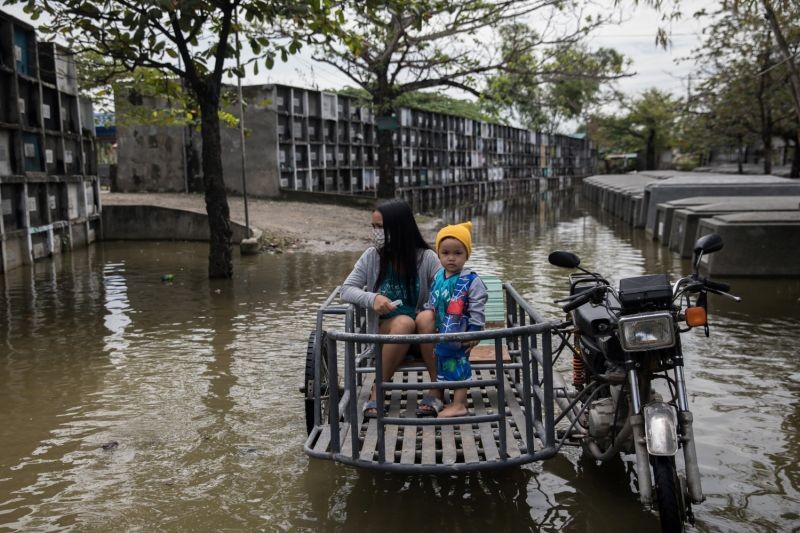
[434, 445]
[409, 432]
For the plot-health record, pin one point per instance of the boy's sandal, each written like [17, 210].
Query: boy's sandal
[370, 409]
[429, 406]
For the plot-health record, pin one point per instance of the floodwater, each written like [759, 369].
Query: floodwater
[128, 403]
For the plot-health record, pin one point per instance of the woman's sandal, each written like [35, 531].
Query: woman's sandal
[434, 406]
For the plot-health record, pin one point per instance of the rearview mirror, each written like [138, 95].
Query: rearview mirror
[708, 244]
[564, 259]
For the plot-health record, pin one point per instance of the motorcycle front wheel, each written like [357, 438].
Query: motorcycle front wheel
[668, 494]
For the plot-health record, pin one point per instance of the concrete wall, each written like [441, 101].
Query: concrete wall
[146, 222]
[261, 146]
[151, 159]
[15, 253]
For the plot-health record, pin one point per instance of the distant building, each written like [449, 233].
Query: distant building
[49, 193]
[306, 140]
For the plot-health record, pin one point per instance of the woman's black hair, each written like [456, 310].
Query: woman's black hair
[403, 241]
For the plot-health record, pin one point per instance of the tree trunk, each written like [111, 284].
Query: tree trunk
[650, 154]
[384, 108]
[386, 185]
[740, 167]
[765, 108]
[785, 151]
[795, 172]
[767, 140]
[220, 264]
[786, 53]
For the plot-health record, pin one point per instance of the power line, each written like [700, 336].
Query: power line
[779, 63]
[639, 35]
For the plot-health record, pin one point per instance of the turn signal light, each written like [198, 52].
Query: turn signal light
[696, 316]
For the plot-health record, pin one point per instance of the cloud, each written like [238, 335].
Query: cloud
[634, 37]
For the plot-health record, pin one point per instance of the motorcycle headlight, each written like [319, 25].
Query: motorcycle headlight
[647, 331]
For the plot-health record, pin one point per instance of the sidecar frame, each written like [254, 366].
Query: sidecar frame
[511, 421]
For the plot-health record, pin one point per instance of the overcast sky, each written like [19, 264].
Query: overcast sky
[635, 38]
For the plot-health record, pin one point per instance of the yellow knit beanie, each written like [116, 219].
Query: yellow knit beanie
[461, 232]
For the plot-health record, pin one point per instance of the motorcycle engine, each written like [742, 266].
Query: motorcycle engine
[601, 416]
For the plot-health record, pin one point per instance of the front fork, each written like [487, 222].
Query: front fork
[687, 433]
[685, 420]
[639, 442]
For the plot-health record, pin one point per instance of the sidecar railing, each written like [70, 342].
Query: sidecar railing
[511, 397]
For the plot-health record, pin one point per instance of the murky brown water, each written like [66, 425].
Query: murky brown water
[131, 404]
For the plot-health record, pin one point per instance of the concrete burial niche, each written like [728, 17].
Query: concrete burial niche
[701, 184]
[756, 244]
[664, 212]
[661, 174]
[685, 221]
[620, 194]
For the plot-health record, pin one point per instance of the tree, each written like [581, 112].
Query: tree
[721, 117]
[779, 24]
[744, 93]
[546, 86]
[784, 22]
[394, 47]
[783, 18]
[646, 126]
[191, 39]
[427, 101]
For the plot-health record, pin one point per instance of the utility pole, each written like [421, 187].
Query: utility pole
[241, 124]
[688, 91]
[183, 139]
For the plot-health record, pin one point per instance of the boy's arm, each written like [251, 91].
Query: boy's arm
[478, 295]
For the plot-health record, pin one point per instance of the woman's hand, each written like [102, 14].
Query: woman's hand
[382, 305]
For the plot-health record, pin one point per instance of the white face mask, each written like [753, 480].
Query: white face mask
[378, 237]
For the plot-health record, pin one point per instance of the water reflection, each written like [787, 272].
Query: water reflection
[117, 305]
[131, 403]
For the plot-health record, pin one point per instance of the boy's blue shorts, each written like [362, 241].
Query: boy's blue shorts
[453, 366]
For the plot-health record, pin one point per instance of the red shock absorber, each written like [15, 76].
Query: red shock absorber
[578, 367]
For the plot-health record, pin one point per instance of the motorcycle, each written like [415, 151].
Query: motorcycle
[624, 343]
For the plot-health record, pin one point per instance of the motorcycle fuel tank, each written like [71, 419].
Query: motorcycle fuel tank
[635, 293]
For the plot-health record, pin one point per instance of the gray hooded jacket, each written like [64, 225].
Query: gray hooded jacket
[356, 289]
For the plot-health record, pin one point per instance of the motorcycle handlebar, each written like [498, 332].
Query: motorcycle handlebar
[582, 298]
[716, 285]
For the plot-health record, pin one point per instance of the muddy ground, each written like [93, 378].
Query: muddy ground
[286, 225]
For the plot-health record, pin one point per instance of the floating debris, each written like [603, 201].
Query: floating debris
[276, 244]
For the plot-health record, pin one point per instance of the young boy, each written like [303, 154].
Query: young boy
[458, 301]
